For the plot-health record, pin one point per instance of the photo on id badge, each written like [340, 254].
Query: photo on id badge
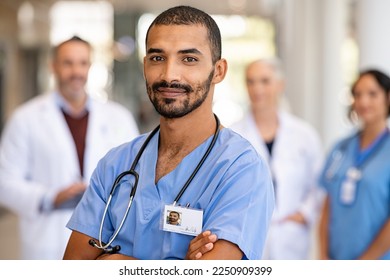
[173, 218]
[182, 220]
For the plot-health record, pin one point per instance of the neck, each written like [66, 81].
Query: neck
[179, 137]
[371, 131]
[267, 123]
[187, 132]
[76, 102]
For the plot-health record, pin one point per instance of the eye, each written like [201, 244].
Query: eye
[67, 63]
[356, 94]
[156, 58]
[265, 81]
[190, 59]
[84, 63]
[373, 94]
[250, 82]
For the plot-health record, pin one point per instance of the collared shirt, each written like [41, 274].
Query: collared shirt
[65, 106]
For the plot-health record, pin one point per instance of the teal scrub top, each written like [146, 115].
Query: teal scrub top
[354, 226]
[233, 188]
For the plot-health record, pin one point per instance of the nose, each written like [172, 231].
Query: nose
[362, 99]
[256, 88]
[79, 69]
[171, 71]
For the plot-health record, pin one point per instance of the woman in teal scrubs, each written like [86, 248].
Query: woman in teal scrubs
[355, 220]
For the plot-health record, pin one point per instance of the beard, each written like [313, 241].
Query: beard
[171, 107]
[73, 87]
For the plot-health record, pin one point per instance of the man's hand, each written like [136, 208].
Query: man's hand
[200, 245]
[297, 217]
[69, 193]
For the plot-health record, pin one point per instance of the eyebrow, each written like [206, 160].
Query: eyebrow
[186, 51]
[152, 50]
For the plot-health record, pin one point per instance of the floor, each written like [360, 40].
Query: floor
[9, 242]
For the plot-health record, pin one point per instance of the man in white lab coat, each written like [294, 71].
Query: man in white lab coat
[293, 151]
[49, 148]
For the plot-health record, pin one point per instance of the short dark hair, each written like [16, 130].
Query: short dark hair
[72, 39]
[185, 15]
[383, 81]
[175, 212]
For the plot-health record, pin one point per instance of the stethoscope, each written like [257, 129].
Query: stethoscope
[336, 159]
[339, 154]
[108, 248]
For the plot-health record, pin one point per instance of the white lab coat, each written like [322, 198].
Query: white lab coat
[296, 161]
[38, 157]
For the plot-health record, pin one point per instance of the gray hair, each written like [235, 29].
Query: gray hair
[274, 63]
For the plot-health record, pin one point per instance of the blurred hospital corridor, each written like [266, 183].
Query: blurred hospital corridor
[322, 46]
[9, 236]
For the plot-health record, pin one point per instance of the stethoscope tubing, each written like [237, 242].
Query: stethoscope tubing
[189, 180]
[132, 193]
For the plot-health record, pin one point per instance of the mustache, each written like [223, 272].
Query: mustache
[76, 77]
[165, 84]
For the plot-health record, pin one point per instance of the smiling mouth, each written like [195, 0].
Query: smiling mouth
[171, 92]
[77, 81]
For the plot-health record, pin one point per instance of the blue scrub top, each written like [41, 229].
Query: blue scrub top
[233, 188]
[352, 228]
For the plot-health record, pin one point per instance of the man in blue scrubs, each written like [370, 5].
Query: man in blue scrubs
[227, 204]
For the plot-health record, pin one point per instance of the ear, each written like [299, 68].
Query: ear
[281, 85]
[220, 70]
[143, 72]
[51, 65]
[388, 104]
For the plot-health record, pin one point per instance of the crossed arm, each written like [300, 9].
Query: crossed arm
[205, 246]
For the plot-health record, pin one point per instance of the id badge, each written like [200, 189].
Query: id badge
[182, 220]
[348, 187]
[348, 191]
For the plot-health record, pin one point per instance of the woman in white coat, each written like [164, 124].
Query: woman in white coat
[42, 176]
[293, 151]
